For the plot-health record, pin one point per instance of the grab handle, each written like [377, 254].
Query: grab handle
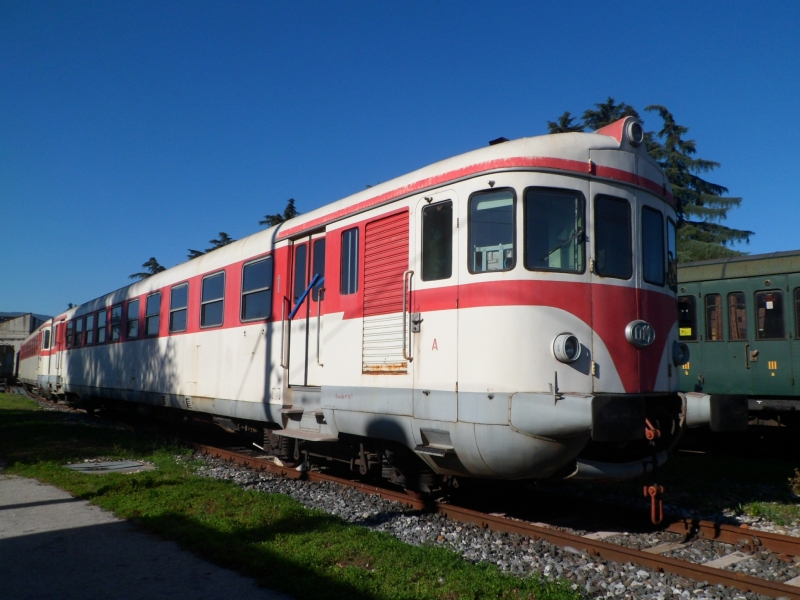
[320, 298]
[284, 302]
[406, 338]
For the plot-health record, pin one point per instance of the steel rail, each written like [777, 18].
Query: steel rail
[605, 550]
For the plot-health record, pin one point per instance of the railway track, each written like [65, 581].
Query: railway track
[747, 540]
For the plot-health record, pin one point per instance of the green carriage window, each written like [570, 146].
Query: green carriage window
[713, 318]
[769, 315]
[737, 316]
[687, 318]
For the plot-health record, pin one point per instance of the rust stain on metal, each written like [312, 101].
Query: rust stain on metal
[387, 368]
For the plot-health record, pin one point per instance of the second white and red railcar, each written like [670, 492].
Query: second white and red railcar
[507, 313]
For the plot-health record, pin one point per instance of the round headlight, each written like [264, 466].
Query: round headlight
[680, 353]
[635, 133]
[566, 347]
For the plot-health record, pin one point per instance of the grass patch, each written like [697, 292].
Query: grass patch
[782, 514]
[269, 537]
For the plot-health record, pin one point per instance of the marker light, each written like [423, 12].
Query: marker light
[680, 353]
[634, 132]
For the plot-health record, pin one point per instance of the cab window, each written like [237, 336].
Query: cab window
[491, 231]
[554, 230]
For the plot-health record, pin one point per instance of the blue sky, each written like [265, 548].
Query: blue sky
[138, 129]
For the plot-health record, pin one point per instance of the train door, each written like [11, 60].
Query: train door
[434, 316]
[726, 337]
[59, 350]
[612, 214]
[307, 300]
[794, 329]
[769, 353]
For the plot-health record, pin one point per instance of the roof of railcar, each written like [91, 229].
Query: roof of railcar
[734, 267]
[569, 149]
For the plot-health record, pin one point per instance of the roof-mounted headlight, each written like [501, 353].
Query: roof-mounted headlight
[566, 347]
[634, 132]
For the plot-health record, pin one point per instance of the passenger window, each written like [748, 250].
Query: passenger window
[652, 246]
[70, 334]
[437, 241]
[132, 330]
[349, 282]
[178, 303]
[89, 330]
[737, 316]
[672, 256]
[79, 333]
[797, 312]
[212, 301]
[769, 314]
[491, 231]
[257, 290]
[713, 317]
[152, 319]
[46, 340]
[318, 267]
[102, 319]
[612, 237]
[300, 270]
[116, 322]
[554, 230]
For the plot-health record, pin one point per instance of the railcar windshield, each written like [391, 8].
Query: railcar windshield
[491, 231]
[554, 230]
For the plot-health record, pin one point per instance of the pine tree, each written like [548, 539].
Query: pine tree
[564, 124]
[223, 240]
[607, 113]
[701, 204]
[194, 253]
[290, 212]
[152, 267]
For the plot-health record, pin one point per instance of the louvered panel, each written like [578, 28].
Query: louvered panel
[385, 261]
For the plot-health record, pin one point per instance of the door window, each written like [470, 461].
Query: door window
[349, 282]
[652, 246]
[300, 255]
[318, 267]
[769, 315]
[612, 237]
[737, 316]
[437, 241]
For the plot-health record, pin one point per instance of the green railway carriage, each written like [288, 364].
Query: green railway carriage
[740, 318]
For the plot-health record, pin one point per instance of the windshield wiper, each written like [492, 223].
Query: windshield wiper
[564, 243]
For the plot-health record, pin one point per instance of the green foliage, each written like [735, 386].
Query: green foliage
[152, 267]
[781, 514]
[794, 483]
[701, 204]
[270, 537]
[223, 240]
[290, 212]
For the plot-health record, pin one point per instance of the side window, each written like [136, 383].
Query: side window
[116, 322]
[769, 315]
[152, 319]
[652, 246]
[349, 283]
[612, 237]
[672, 256]
[178, 304]
[257, 290]
[737, 316]
[70, 334]
[437, 241]
[79, 333]
[687, 318]
[102, 319]
[554, 230]
[132, 330]
[491, 231]
[89, 329]
[318, 266]
[46, 339]
[713, 317]
[212, 301]
[300, 270]
[797, 312]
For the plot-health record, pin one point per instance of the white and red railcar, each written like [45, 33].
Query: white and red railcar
[507, 313]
